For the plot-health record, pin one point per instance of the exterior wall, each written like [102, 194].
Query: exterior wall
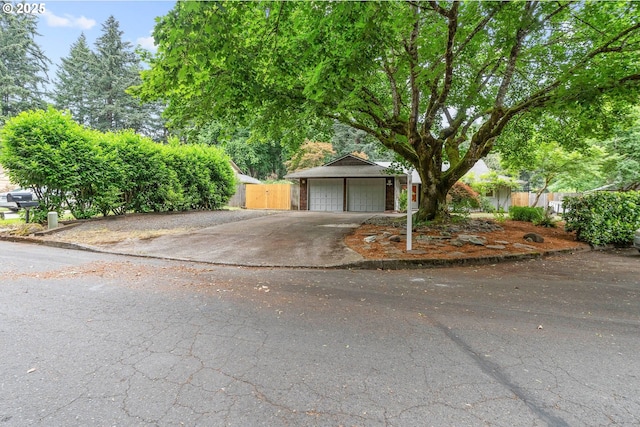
[304, 195]
[295, 196]
[390, 202]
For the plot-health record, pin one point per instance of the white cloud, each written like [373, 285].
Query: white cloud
[69, 21]
[147, 43]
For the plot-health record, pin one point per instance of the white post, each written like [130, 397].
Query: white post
[409, 210]
[52, 220]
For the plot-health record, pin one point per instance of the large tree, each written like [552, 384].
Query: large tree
[432, 81]
[74, 85]
[23, 65]
[115, 69]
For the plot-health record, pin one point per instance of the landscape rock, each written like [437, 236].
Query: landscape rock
[523, 246]
[476, 240]
[533, 237]
[495, 247]
[457, 242]
[395, 238]
[370, 239]
[501, 242]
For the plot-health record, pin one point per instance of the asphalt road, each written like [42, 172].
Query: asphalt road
[101, 340]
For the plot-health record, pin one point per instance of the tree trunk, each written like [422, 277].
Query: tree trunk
[433, 202]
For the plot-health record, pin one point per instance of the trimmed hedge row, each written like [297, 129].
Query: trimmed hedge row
[91, 173]
[603, 218]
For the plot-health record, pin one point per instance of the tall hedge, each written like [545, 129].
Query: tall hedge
[90, 172]
[603, 218]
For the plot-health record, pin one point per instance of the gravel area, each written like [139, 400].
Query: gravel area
[166, 221]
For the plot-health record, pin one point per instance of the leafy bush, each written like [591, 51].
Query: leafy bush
[89, 172]
[56, 157]
[547, 220]
[462, 196]
[204, 173]
[487, 206]
[402, 201]
[526, 213]
[603, 218]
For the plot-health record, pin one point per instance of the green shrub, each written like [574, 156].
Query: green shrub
[90, 173]
[603, 218]
[526, 213]
[402, 201]
[56, 157]
[487, 206]
[547, 220]
[463, 196]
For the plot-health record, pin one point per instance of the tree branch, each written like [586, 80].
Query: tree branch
[477, 29]
[395, 96]
[435, 106]
[513, 58]
[412, 51]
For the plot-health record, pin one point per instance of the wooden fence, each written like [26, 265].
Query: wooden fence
[268, 196]
[527, 199]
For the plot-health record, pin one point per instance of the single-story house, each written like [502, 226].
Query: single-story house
[499, 197]
[353, 184]
[348, 183]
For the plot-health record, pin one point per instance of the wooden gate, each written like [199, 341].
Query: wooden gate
[269, 196]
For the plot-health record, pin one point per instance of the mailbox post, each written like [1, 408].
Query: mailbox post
[24, 200]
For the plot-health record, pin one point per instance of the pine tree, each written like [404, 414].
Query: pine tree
[23, 65]
[74, 81]
[116, 69]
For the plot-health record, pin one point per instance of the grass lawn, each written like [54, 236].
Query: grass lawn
[9, 222]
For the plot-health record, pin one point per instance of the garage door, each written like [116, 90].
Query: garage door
[366, 194]
[326, 194]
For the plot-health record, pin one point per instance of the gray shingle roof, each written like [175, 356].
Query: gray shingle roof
[360, 171]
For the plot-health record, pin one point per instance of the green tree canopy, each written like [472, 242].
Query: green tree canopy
[622, 167]
[432, 81]
[310, 155]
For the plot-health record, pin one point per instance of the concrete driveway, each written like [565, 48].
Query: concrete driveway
[287, 239]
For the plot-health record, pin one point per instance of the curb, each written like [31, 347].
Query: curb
[370, 264]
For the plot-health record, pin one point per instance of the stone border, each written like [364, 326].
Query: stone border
[371, 264]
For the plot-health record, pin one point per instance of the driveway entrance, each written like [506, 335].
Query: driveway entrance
[296, 238]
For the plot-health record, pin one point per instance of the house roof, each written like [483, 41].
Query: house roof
[244, 179]
[348, 166]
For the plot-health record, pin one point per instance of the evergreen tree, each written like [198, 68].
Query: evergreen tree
[74, 82]
[116, 68]
[347, 140]
[23, 65]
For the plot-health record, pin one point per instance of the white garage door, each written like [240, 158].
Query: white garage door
[326, 194]
[366, 194]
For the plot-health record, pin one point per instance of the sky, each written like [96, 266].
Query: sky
[63, 21]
